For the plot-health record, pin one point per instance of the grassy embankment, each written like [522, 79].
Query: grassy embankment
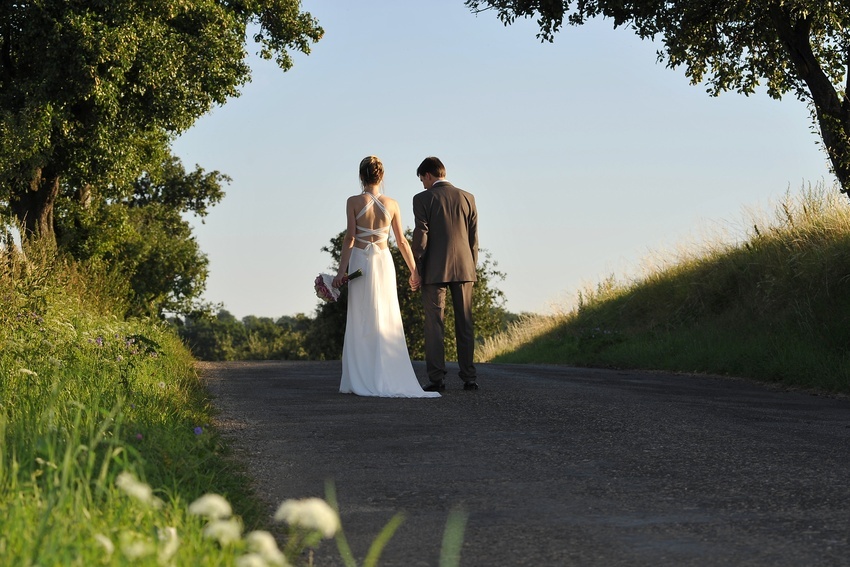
[773, 306]
[105, 435]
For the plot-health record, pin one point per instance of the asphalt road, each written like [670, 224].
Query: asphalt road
[554, 465]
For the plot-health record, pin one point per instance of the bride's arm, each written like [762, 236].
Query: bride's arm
[347, 242]
[401, 241]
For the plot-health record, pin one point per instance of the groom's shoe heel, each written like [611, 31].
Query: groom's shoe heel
[470, 385]
[435, 387]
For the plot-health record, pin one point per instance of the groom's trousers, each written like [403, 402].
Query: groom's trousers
[434, 304]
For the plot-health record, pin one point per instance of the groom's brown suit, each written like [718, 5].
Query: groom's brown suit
[445, 245]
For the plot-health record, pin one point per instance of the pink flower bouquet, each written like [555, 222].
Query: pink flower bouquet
[325, 289]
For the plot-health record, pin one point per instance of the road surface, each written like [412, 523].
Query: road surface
[554, 465]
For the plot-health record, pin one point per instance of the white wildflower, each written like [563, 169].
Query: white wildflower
[27, 371]
[138, 490]
[225, 531]
[211, 506]
[263, 543]
[107, 544]
[310, 513]
[251, 560]
[135, 546]
[169, 544]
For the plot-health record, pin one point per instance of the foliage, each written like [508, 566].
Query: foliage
[91, 95]
[325, 338]
[144, 237]
[223, 337]
[775, 307]
[791, 46]
[92, 92]
[88, 396]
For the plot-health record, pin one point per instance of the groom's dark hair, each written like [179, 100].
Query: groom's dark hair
[433, 166]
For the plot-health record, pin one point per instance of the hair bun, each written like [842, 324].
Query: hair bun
[371, 170]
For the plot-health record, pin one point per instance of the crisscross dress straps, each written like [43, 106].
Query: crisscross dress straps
[382, 233]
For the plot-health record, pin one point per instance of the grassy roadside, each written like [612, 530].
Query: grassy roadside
[105, 431]
[773, 305]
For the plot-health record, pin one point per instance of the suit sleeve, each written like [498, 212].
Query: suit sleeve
[420, 229]
[473, 230]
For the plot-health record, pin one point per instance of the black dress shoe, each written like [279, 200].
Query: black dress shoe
[435, 387]
[470, 385]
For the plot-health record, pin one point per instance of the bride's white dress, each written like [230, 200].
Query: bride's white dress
[375, 361]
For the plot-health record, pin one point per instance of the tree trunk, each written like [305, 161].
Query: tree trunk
[833, 113]
[33, 205]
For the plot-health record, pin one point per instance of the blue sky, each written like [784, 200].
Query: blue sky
[585, 155]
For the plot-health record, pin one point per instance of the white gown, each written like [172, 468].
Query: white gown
[375, 361]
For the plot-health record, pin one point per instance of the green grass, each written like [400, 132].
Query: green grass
[772, 305]
[85, 396]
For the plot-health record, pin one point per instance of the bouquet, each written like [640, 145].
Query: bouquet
[325, 289]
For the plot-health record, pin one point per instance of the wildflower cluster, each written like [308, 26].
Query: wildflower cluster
[310, 520]
[120, 347]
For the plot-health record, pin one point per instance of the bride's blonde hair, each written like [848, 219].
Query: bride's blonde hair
[371, 171]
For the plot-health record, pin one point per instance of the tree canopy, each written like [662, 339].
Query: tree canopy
[143, 238]
[787, 46]
[92, 92]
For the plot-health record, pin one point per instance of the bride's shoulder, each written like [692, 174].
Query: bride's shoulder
[389, 202]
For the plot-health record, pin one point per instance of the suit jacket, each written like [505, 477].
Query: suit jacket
[445, 237]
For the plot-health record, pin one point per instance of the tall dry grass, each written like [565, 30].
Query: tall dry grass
[769, 301]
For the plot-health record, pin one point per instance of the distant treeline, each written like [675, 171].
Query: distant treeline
[224, 337]
[219, 335]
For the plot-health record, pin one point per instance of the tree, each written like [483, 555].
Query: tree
[143, 238]
[325, 338]
[212, 336]
[92, 92]
[223, 337]
[790, 46]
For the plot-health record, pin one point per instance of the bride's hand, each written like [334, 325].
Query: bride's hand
[338, 280]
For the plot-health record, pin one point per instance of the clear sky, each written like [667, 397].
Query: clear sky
[585, 155]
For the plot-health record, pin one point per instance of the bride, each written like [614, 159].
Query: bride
[375, 361]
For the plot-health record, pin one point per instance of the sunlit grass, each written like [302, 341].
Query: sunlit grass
[523, 333]
[87, 401]
[770, 300]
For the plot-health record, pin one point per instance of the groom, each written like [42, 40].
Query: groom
[445, 245]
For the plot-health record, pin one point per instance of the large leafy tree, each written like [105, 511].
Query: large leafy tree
[92, 92]
[788, 46]
[143, 238]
